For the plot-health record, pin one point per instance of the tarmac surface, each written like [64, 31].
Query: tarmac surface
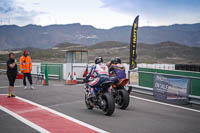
[142, 116]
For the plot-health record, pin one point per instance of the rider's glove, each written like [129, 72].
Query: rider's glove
[85, 80]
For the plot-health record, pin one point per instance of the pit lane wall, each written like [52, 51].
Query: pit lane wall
[61, 70]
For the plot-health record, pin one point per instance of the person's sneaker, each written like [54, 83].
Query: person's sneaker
[32, 87]
[12, 95]
[25, 87]
[9, 95]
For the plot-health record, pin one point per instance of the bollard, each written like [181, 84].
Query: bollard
[46, 75]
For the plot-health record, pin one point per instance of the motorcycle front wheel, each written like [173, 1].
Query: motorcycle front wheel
[108, 104]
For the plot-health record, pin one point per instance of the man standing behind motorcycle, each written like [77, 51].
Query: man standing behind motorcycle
[99, 73]
[116, 69]
[26, 68]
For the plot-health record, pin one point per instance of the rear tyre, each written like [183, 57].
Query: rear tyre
[87, 103]
[108, 104]
[122, 99]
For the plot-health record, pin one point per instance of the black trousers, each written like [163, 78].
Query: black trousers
[11, 78]
[28, 75]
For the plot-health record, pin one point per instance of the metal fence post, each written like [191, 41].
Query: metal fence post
[46, 74]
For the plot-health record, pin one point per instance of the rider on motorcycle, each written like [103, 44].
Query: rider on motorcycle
[99, 73]
[116, 69]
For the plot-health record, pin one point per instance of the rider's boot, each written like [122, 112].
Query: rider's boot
[91, 94]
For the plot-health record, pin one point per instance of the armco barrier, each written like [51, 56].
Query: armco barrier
[149, 91]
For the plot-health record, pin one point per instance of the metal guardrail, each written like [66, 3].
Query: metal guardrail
[149, 91]
[2, 71]
[141, 89]
[51, 76]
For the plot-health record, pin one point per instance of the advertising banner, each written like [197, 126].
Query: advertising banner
[171, 89]
[133, 44]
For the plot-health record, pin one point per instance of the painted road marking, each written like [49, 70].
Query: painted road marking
[171, 105]
[42, 118]
[5, 87]
[25, 121]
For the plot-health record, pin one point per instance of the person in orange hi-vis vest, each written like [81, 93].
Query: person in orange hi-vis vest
[26, 68]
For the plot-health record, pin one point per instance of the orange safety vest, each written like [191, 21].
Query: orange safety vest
[25, 64]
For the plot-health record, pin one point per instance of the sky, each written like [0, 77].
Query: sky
[103, 14]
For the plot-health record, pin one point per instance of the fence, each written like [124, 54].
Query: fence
[54, 70]
[146, 81]
[146, 76]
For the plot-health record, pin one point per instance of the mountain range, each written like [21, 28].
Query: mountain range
[165, 52]
[13, 37]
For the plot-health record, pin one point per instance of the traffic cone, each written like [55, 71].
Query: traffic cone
[44, 80]
[69, 79]
[74, 82]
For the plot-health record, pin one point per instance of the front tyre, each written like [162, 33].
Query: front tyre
[122, 99]
[108, 104]
[87, 103]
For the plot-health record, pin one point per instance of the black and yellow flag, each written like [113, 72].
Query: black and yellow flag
[133, 44]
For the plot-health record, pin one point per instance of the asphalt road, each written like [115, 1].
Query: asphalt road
[141, 116]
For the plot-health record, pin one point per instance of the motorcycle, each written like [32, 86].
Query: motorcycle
[120, 94]
[102, 99]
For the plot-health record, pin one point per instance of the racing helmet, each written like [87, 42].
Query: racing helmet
[116, 60]
[98, 60]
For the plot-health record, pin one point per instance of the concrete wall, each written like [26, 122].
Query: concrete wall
[79, 68]
[158, 66]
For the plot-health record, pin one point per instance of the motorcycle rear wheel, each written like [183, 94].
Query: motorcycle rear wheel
[122, 99]
[108, 104]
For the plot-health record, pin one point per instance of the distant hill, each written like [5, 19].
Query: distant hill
[12, 36]
[165, 52]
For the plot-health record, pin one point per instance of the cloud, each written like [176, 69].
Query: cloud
[149, 6]
[6, 6]
[36, 3]
[12, 12]
[119, 5]
[159, 11]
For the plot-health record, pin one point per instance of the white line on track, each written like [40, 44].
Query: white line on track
[63, 115]
[61, 104]
[25, 121]
[3, 87]
[171, 105]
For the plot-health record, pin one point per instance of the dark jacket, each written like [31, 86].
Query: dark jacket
[9, 69]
